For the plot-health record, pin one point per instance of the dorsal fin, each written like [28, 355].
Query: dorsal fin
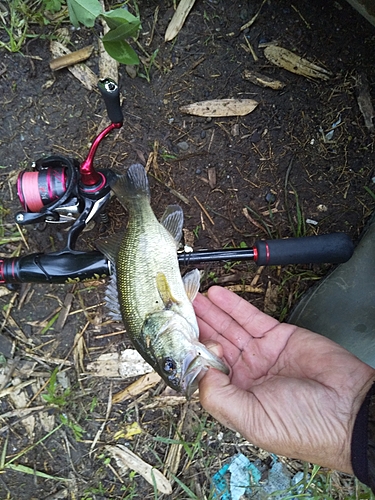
[173, 221]
[191, 282]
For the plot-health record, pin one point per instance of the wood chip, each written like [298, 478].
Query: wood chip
[82, 72]
[126, 458]
[79, 352]
[220, 107]
[64, 313]
[71, 58]
[141, 385]
[178, 19]
[211, 172]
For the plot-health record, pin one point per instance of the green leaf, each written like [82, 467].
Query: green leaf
[121, 32]
[121, 52]
[117, 17]
[33, 472]
[52, 5]
[84, 12]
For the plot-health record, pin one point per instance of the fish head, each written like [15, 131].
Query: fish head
[177, 355]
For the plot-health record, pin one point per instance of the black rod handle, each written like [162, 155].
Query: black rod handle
[63, 267]
[111, 95]
[332, 248]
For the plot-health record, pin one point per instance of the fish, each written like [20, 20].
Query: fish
[147, 291]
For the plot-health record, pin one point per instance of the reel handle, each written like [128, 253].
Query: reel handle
[111, 94]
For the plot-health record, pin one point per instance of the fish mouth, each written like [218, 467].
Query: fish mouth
[192, 367]
[196, 362]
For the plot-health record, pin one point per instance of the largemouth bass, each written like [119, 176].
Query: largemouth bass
[155, 301]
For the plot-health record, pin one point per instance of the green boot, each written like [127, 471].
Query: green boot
[342, 306]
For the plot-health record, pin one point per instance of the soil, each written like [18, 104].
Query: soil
[277, 173]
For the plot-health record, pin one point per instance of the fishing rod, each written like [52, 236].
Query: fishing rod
[61, 190]
[71, 266]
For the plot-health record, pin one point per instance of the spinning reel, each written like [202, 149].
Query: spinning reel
[60, 190]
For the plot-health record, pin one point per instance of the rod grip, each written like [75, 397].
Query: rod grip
[111, 95]
[54, 268]
[332, 248]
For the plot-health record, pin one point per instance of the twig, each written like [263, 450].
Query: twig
[301, 16]
[253, 221]
[7, 313]
[252, 51]
[156, 13]
[101, 429]
[205, 211]
[253, 19]
[13, 388]
[22, 236]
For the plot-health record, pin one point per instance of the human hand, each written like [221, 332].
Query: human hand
[290, 391]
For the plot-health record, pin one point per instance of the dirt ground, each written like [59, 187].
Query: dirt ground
[276, 169]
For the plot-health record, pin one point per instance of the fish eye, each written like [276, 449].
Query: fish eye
[169, 365]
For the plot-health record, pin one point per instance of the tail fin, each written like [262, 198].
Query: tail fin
[132, 185]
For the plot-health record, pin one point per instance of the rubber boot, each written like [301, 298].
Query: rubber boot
[342, 305]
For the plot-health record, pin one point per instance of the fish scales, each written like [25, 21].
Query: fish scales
[154, 300]
[148, 248]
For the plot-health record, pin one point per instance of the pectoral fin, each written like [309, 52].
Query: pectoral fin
[165, 291]
[191, 283]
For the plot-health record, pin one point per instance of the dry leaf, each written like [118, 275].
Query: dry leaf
[295, 64]
[220, 107]
[129, 432]
[47, 419]
[126, 458]
[112, 365]
[270, 299]
[20, 399]
[178, 19]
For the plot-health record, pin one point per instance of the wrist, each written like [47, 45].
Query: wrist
[363, 440]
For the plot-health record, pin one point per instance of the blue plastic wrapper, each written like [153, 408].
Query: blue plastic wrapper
[235, 478]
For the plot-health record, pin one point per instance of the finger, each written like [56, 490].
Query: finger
[248, 316]
[233, 337]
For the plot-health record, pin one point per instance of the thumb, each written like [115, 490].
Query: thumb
[222, 399]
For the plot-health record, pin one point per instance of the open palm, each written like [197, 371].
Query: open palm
[290, 391]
